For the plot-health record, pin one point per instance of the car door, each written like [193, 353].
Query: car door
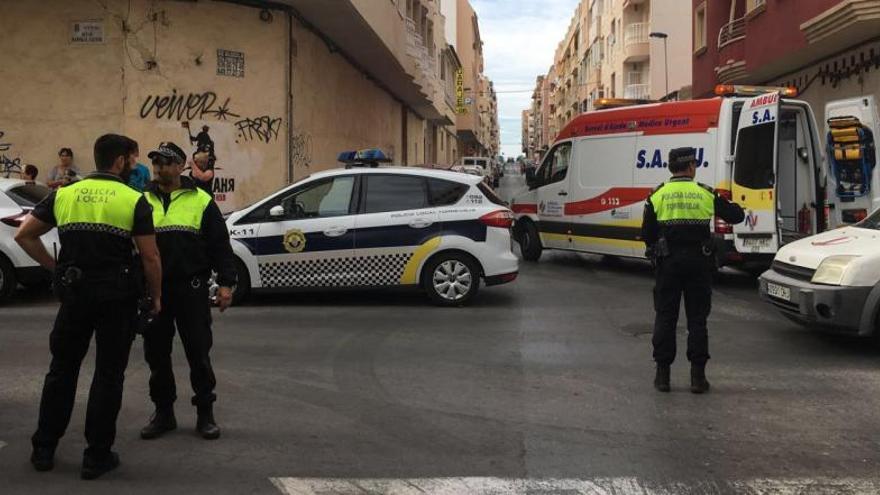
[306, 238]
[552, 197]
[754, 175]
[396, 227]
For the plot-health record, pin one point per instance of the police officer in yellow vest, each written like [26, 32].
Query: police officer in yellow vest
[97, 219]
[193, 240]
[676, 232]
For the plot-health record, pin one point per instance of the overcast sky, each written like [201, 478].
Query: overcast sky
[519, 39]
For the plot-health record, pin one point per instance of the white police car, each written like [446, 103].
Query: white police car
[376, 227]
[17, 199]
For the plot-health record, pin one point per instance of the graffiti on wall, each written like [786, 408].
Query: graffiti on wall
[234, 135]
[9, 166]
[265, 129]
[4, 146]
[188, 106]
[301, 149]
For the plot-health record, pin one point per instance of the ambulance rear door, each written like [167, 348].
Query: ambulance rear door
[851, 130]
[754, 175]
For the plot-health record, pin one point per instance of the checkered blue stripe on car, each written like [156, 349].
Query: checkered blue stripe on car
[377, 270]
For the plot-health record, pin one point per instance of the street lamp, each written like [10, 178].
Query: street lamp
[663, 36]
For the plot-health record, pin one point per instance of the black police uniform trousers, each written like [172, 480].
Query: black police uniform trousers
[86, 310]
[687, 271]
[185, 305]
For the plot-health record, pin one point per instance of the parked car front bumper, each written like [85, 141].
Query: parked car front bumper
[829, 307]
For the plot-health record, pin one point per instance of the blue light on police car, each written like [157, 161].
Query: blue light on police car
[366, 156]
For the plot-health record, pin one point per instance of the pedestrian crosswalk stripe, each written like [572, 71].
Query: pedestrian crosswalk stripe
[570, 486]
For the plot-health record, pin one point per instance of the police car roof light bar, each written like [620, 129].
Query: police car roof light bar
[370, 157]
[744, 90]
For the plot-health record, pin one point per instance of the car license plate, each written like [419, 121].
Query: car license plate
[779, 291]
[757, 242]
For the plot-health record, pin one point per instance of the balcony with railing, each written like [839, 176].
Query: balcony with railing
[637, 91]
[595, 27]
[635, 41]
[731, 50]
[731, 32]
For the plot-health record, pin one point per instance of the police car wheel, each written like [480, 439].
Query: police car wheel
[243, 288]
[451, 279]
[529, 241]
[7, 279]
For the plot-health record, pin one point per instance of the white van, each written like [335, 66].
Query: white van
[485, 165]
[754, 146]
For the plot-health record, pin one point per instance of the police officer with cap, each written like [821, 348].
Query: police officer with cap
[97, 219]
[676, 232]
[193, 241]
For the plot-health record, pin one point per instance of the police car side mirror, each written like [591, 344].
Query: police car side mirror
[276, 211]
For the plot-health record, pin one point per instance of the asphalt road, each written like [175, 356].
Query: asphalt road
[542, 386]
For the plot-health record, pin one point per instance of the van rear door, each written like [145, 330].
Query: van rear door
[851, 130]
[754, 175]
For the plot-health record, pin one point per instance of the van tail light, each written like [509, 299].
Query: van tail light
[14, 220]
[501, 218]
[722, 227]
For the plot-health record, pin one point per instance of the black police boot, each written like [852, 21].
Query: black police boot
[92, 468]
[205, 424]
[43, 458]
[161, 422]
[699, 384]
[661, 379]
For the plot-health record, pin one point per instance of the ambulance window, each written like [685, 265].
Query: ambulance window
[395, 193]
[754, 157]
[556, 167]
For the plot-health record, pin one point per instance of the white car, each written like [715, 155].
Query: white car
[17, 199]
[376, 227]
[830, 280]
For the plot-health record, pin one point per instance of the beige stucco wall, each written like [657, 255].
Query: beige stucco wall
[67, 95]
[335, 108]
[138, 83]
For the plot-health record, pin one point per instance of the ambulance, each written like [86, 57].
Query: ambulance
[755, 145]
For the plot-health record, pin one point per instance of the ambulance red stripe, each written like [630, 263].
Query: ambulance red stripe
[616, 197]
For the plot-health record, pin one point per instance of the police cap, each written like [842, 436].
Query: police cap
[680, 158]
[168, 150]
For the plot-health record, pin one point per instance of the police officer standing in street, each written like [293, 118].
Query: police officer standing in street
[193, 240]
[97, 219]
[676, 232]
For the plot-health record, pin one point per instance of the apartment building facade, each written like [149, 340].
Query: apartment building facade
[477, 119]
[608, 52]
[283, 86]
[828, 49]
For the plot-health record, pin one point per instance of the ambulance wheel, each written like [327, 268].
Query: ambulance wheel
[8, 282]
[529, 241]
[451, 279]
[243, 288]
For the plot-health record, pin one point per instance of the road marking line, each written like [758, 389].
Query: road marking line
[2, 444]
[597, 486]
